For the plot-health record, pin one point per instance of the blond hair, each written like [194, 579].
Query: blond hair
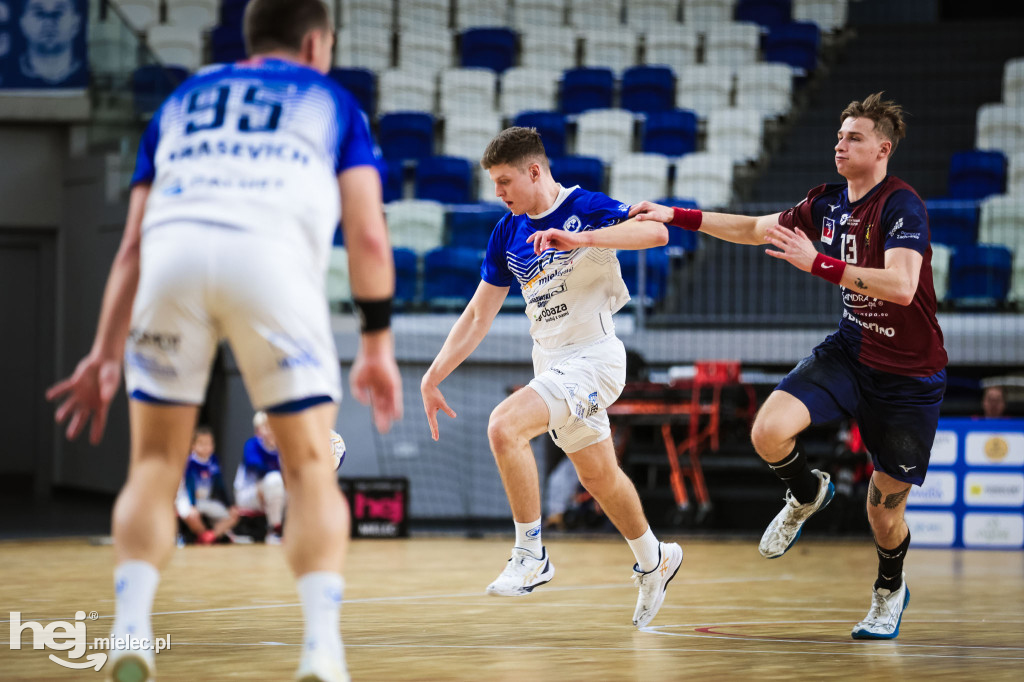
[886, 114]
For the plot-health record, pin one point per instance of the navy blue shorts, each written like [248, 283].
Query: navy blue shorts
[897, 414]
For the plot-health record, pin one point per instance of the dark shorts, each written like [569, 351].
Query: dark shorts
[897, 415]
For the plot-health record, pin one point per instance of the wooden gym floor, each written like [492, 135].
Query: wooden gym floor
[415, 610]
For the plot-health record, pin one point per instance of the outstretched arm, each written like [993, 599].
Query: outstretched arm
[87, 393]
[896, 282]
[467, 333]
[630, 235]
[374, 377]
[725, 226]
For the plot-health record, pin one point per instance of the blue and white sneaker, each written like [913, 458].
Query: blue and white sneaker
[522, 573]
[886, 613]
[784, 530]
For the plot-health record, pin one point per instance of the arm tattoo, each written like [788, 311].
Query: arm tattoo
[860, 283]
[892, 501]
[874, 495]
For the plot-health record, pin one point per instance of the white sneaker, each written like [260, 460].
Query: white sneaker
[314, 668]
[784, 530]
[522, 573]
[886, 613]
[654, 583]
[273, 539]
[131, 665]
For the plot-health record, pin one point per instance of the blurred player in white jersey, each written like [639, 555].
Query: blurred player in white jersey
[241, 179]
[559, 243]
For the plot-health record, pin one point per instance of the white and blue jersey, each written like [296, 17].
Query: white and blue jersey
[254, 146]
[565, 291]
[243, 163]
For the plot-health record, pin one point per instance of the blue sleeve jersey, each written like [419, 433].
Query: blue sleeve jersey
[254, 146]
[566, 288]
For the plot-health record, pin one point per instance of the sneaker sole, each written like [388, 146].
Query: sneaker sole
[828, 498]
[865, 634]
[523, 591]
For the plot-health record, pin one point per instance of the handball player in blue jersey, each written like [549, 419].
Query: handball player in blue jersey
[885, 366]
[559, 244]
[242, 177]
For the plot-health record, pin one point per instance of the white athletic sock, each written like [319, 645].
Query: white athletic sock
[528, 537]
[135, 585]
[320, 593]
[647, 550]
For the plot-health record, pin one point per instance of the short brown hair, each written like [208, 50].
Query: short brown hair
[887, 115]
[515, 146]
[271, 25]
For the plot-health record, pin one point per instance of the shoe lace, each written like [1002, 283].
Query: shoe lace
[879, 607]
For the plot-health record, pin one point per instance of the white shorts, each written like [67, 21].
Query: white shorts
[199, 285]
[578, 383]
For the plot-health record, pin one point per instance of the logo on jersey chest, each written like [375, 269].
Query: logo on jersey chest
[828, 230]
[572, 224]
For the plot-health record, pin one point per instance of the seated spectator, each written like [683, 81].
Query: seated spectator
[993, 402]
[202, 503]
[259, 486]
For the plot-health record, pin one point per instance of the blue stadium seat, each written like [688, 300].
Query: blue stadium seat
[977, 174]
[657, 272]
[767, 13]
[795, 43]
[227, 45]
[672, 133]
[406, 135]
[980, 274]
[450, 273]
[444, 178]
[585, 171]
[953, 222]
[550, 125]
[680, 241]
[392, 177]
[492, 48]
[587, 88]
[470, 225]
[648, 89]
[152, 84]
[406, 263]
[361, 83]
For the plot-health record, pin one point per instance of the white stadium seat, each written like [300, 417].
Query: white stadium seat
[736, 133]
[734, 43]
[423, 16]
[406, 91]
[605, 134]
[704, 88]
[529, 14]
[372, 14]
[673, 45]
[467, 90]
[706, 178]
[140, 14]
[529, 89]
[651, 13]
[639, 176]
[467, 135]
[702, 14]
[548, 47]
[940, 269]
[173, 45]
[365, 47]
[595, 14]
[829, 15]
[416, 224]
[471, 13]
[423, 50]
[198, 14]
[765, 87]
[1000, 126]
[1013, 82]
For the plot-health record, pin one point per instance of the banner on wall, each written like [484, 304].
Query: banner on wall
[43, 45]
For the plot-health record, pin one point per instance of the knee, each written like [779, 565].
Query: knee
[884, 522]
[597, 477]
[502, 431]
[766, 436]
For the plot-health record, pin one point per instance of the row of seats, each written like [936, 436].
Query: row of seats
[1000, 125]
[768, 88]
[703, 177]
[830, 15]
[607, 134]
[499, 48]
[447, 276]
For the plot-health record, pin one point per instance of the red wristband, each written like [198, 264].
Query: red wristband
[686, 218]
[828, 268]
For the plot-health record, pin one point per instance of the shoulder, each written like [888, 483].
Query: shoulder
[825, 191]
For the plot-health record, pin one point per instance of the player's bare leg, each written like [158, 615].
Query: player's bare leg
[778, 422]
[144, 527]
[517, 419]
[316, 533]
[656, 562]
[887, 500]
